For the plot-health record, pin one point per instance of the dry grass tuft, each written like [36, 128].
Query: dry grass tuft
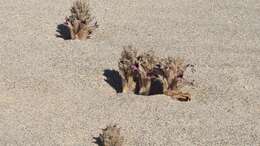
[80, 23]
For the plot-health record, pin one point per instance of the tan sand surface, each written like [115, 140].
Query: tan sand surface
[53, 91]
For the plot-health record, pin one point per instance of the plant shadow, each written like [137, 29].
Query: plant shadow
[63, 32]
[98, 141]
[156, 87]
[114, 79]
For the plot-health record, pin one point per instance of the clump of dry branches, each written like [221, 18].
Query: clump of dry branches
[80, 23]
[139, 70]
[111, 136]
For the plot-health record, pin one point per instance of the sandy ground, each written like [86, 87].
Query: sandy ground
[54, 91]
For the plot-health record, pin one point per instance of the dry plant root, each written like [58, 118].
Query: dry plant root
[181, 96]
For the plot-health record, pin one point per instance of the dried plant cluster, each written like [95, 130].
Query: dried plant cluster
[80, 23]
[111, 136]
[139, 70]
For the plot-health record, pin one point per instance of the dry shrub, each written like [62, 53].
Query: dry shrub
[111, 136]
[138, 70]
[80, 23]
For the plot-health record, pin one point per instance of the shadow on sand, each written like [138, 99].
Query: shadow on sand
[114, 79]
[63, 32]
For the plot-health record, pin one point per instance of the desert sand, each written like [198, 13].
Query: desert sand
[63, 92]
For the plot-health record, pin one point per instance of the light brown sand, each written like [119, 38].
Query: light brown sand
[52, 91]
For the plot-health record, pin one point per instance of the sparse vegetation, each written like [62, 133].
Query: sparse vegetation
[111, 136]
[80, 23]
[139, 70]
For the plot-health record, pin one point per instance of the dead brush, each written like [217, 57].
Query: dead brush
[127, 70]
[171, 73]
[144, 68]
[144, 71]
[80, 23]
[111, 136]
